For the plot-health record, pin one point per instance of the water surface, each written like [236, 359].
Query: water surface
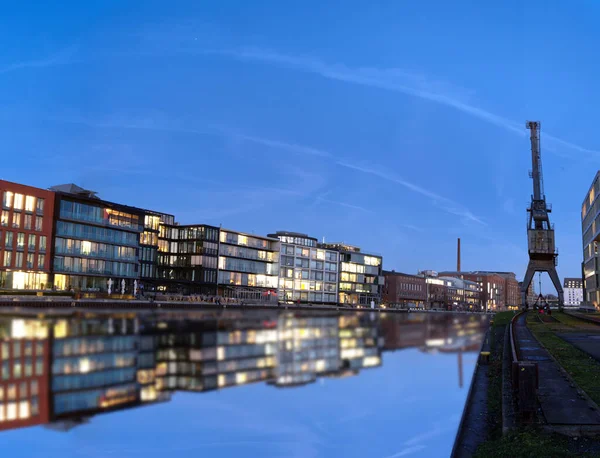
[255, 383]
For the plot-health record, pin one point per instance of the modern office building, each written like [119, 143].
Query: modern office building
[590, 230]
[307, 274]
[187, 258]
[361, 277]
[94, 365]
[573, 288]
[26, 223]
[96, 244]
[24, 360]
[360, 341]
[248, 267]
[148, 254]
[404, 290]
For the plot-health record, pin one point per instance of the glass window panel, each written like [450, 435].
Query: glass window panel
[33, 388]
[39, 208]
[11, 411]
[18, 204]
[4, 218]
[16, 221]
[17, 369]
[35, 408]
[7, 258]
[7, 199]
[23, 390]
[16, 349]
[24, 410]
[38, 224]
[11, 392]
[39, 366]
[29, 203]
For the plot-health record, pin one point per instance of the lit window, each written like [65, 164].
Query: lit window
[18, 204]
[17, 370]
[29, 203]
[11, 393]
[41, 261]
[2, 417]
[16, 222]
[7, 199]
[11, 411]
[4, 218]
[24, 409]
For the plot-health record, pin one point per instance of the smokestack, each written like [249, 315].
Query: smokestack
[458, 256]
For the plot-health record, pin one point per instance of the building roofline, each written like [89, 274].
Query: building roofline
[590, 188]
[264, 237]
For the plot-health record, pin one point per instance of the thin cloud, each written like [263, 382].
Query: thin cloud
[443, 202]
[62, 57]
[407, 451]
[396, 80]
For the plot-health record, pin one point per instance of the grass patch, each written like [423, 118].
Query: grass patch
[584, 369]
[570, 320]
[494, 389]
[530, 443]
[503, 318]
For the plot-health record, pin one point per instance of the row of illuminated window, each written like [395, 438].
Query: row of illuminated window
[302, 274]
[359, 268]
[317, 321]
[93, 399]
[242, 279]
[242, 377]
[352, 333]
[294, 295]
[94, 249]
[21, 348]
[318, 254]
[93, 379]
[245, 351]
[99, 215]
[97, 234]
[24, 240]
[94, 266]
[190, 233]
[23, 390]
[295, 379]
[242, 265]
[297, 240]
[360, 343]
[22, 410]
[247, 253]
[306, 332]
[23, 262]
[28, 222]
[308, 285]
[247, 337]
[152, 222]
[22, 368]
[93, 344]
[210, 248]
[209, 262]
[23, 202]
[247, 240]
[318, 366]
[193, 275]
[91, 363]
[149, 238]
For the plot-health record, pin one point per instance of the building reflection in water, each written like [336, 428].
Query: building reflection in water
[61, 371]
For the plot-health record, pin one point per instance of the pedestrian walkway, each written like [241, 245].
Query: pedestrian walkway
[560, 401]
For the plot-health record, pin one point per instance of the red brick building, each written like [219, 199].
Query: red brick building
[404, 290]
[493, 287]
[26, 225]
[24, 373]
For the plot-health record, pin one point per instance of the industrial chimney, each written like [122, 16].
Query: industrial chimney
[458, 256]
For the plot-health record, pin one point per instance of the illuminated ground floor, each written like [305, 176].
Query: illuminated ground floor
[24, 280]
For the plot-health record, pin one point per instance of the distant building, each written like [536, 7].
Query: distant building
[360, 275]
[462, 294]
[492, 284]
[26, 225]
[573, 288]
[404, 290]
[590, 231]
[437, 290]
[307, 273]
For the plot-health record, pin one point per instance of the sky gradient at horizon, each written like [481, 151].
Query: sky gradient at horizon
[393, 126]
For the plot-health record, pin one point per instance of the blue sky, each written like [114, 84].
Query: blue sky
[410, 406]
[395, 126]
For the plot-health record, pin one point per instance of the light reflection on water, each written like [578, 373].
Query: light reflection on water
[306, 384]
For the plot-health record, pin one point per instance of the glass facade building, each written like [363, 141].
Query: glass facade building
[26, 221]
[308, 274]
[187, 258]
[361, 277]
[97, 244]
[248, 267]
[590, 234]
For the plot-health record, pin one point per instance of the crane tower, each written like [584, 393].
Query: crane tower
[543, 256]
